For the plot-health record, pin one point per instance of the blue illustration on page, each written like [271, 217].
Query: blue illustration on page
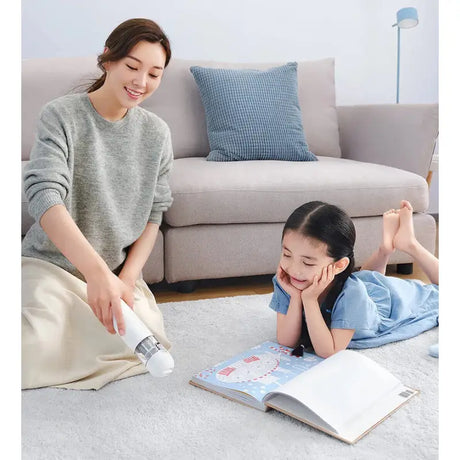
[259, 370]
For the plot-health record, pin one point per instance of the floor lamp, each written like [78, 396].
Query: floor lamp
[406, 18]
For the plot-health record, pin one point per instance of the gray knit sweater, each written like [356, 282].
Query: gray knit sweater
[111, 177]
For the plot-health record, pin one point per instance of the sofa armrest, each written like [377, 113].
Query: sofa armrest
[398, 135]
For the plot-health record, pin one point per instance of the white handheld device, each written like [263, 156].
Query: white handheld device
[140, 339]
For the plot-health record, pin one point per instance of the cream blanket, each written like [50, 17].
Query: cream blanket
[63, 343]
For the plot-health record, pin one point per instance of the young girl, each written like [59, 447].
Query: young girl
[320, 302]
[97, 185]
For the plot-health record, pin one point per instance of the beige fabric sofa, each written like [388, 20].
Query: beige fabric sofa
[226, 219]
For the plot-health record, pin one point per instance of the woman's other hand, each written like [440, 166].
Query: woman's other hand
[104, 293]
[130, 284]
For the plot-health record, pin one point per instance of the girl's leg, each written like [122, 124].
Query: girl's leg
[406, 241]
[379, 259]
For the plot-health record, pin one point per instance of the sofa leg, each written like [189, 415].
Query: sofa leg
[405, 269]
[185, 287]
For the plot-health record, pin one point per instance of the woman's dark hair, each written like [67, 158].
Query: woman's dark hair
[331, 225]
[123, 38]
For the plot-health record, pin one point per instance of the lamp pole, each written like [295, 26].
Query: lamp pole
[397, 70]
[406, 18]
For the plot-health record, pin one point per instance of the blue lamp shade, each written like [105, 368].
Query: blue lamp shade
[407, 18]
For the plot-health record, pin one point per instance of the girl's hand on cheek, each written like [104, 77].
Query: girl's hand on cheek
[319, 284]
[283, 280]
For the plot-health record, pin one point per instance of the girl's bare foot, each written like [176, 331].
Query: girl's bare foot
[406, 204]
[405, 239]
[390, 228]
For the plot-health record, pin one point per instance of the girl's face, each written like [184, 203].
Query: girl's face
[302, 258]
[135, 77]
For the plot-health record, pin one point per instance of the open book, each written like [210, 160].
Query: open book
[345, 395]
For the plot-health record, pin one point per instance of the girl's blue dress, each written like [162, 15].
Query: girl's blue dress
[381, 309]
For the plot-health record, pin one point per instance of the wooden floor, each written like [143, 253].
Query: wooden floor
[208, 289]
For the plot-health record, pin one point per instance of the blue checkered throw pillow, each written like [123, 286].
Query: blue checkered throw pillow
[253, 114]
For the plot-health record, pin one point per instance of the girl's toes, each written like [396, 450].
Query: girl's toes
[406, 204]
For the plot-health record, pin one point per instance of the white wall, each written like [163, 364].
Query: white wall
[357, 33]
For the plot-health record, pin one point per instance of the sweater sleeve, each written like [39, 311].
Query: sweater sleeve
[162, 198]
[47, 176]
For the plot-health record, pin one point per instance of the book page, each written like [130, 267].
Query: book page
[256, 371]
[341, 387]
[358, 426]
[291, 407]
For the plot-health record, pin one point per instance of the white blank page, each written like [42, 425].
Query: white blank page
[341, 387]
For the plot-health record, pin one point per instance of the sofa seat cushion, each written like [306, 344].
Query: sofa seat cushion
[207, 192]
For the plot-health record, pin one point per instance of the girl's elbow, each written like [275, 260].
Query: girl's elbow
[285, 342]
[328, 353]
[325, 354]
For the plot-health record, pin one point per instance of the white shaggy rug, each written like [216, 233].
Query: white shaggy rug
[146, 418]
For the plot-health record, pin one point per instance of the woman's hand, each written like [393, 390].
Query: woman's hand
[283, 280]
[130, 284]
[104, 289]
[104, 293]
[319, 284]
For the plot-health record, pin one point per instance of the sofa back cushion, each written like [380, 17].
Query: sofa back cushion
[178, 101]
[253, 114]
[46, 79]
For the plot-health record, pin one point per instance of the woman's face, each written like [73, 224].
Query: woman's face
[135, 77]
[302, 258]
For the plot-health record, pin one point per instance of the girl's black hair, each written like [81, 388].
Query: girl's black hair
[331, 225]
[123, 38]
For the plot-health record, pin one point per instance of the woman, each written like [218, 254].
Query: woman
[97, 187]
